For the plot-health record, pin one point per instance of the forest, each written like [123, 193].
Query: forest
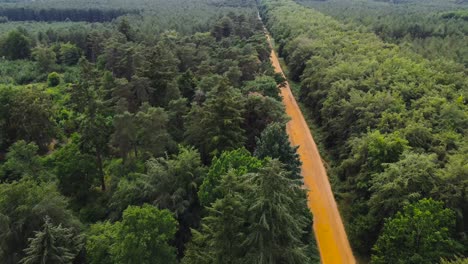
[394, 129]
[433, 28]
[153, 131]
[128, 142]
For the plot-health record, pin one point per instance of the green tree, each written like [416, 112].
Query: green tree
[160, 67]
[99, 239]
[216, 126]
[16, 45]
[23, 207]
[276, 229]
[223, 28]
[53, 79]
[125, 28]
[22, 160]
[186, 83]
[152, 135]
[422, 233]
[124, 136]
[260, 111]
[76, 172]
[176, 111]
[30, 117]
[457, 260]
[224, 228]
[408, 180]
[240, 161]
[45, 58]
[52, 245]
[265, 85]
[176, 180]
[69, 54]
[142, 236]
[274, 143]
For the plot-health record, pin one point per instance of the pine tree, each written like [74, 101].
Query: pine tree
[223, 229]
[52, 245]
[217, 125]
[276, 226]
[274, 143]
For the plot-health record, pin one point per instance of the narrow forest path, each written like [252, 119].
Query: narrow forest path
[329, 230]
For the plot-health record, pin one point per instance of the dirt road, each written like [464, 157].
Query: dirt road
[329, 230]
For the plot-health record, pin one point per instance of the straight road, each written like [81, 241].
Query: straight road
[328, 227]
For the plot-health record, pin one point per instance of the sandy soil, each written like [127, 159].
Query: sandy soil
[329, 230]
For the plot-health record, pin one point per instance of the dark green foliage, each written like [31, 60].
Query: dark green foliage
[256, 218]
[216, 126]
[98, 114]
[223, 229]
[53, 79]
[274, 235]
[274, 143]
[26, 114]
[16, 46]
[422, 233]
[45, 57]
[23, 208]
[69, 54]
[21, 161]
[260, 111]
[76, 172]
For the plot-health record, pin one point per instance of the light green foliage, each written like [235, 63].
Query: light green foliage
[240, 161]
[53, 244]
[53, 79]
[421, 233]
[408, 180]
[141, 237]
[265, 85]
[456, 261]
[99, 239]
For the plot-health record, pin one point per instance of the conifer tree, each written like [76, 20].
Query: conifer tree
[274, 143]
[52, 245]
[276, 228]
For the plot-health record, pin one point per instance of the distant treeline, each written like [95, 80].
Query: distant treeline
[53, 14]
[460, 14]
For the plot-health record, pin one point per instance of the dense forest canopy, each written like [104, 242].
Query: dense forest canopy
[434, 28]
[148, 138]
[152, 131]
[395, 127]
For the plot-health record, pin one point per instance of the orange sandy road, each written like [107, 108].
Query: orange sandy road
[329, 230]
